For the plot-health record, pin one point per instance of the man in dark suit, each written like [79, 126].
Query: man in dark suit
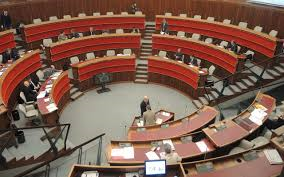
[164, 27]
[144, 104]
[91, 31]
[6, 22]
[233, 46]
[28, 92]
[134, 8]
[10, 54]
[179, 55]
[74, 34]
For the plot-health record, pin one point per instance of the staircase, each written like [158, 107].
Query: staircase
[141, 75]
[75, 93]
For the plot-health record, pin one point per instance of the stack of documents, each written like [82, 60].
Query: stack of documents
[125, 152]
[165, 113]
[202, 146]
[257, 116]
[41, 94]
[151, 155]
[51, 107]
[273, 156]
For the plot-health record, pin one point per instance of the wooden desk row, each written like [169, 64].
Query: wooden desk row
[60, 52]
[7, 40]
[234, 166]
[221, 57]
[257, 41]
[214, 138]
[59, 94]
[49, 29]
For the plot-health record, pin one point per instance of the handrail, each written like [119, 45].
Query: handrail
[59, 156]
[34, 127]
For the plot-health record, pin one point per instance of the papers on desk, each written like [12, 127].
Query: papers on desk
[46, 99]
[41, 94]
[1, 73]
[202, 146]
[48, 86]
[125, 152]
[165, 113]
[159, 121]
[152, 155]
[170, 143]
[273, 156]
[56, 74]
[140, 123]
[257, 116]
[48, 90]
[131, 174]
[51, 107]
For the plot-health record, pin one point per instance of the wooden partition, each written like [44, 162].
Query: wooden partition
[122, 68]
[60, 52]
[51, 29]
[257, 41]
[7, 40]
[15, 74]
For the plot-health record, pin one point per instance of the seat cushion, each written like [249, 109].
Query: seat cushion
[236, 150]
[260, 141]
[245, 144]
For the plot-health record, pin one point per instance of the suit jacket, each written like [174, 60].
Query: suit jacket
[91, 33]
[6, 21]
[178, 56]
[164, 27]
[74, 35]
[172, 158]
[234, 47]
[143, 106]
[9, 56]
[149, 117]
[29, 94]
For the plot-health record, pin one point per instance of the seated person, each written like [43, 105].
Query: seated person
[233, 46]
[134, 8]
[170, 156]
[28, 92]
[34, 82]
[179, 56]
[149, 116]
[62, 36]
[164, 27]
[74, 34]
[277, 121]
[91, 31]
[65, 66]
[49, 71]
[135, 30]
[10, 54]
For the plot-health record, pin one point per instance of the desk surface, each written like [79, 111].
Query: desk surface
[162, 114]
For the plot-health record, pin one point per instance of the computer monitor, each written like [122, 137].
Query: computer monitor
[155, 167]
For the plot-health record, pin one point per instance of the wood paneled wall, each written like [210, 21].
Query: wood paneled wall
[236, 10]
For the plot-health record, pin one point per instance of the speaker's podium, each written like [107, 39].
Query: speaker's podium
[102, 79]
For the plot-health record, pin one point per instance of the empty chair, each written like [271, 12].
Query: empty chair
[110, 53]
[127, 52]
[163, 54]
[183, 15]
[138, 13]
[243, 24]
[47, 42]
[168, 14]
[109, 13]
[40, 75]
[53, 18]
[90, 56]
[195, 36]
[81, 15]
[243, 146]
[197, 16]
[37, 20]
[227, 21]
[31, 115]
[249, 54]
[74, 60]
[124, 13]
[264, 139]
[119, 31]
[210, 19]
[96, 14]
[208, 40]
[258, 28]
[224, 44]
[180, 34]
[273, 33]
[67, 16]
[211, 70]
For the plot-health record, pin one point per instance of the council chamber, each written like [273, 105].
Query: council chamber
[133, 88]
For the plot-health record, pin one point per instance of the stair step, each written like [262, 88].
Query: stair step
[203, 100]
[214, 94]
[197, 104]
[73, 90]
[248, 82]
[7, 155]
[16, 153]
[279, 69]
[76, 95]
[141, 81]
[235, 88]
[146, 53]
[142, 77]
[141, 72]
[146, 49]
[274, 73]
[241, 85]
[142, 68]
[228, 91]
[143, 57]
[252, 78]
[147, 37]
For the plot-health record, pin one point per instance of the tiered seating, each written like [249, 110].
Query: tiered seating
[255, 40]
[59, 51]
[7, 40]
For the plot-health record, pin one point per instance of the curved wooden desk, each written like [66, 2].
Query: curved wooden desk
[185, 78]
[49, 29]
[164, 116]
[221, 57]
[15, 74]
[229, 131]
[191, 123]
[122, 68]
[59, 94]
[59, 51]
[7, 40]
[258, 41]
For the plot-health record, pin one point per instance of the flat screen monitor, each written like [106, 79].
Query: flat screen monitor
[155, 168]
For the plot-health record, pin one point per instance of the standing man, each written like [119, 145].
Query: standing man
[144, 104]
[134, 8]
[149, 116]
[6, 22]
[164, 27]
